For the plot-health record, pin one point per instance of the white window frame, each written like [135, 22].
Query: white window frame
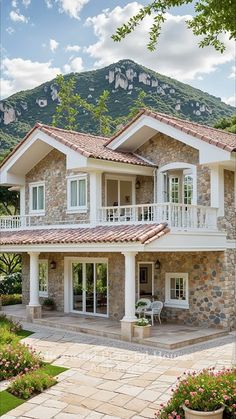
[187, 168]
[44, 293]
[82, 208]
[31, 186]
[119, 178]
[172, 302]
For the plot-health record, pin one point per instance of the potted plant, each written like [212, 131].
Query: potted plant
[49, 304]
[142, 328]
[207, 394]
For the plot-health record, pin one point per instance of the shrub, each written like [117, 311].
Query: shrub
[205, 391]
[11, 299]
[30, 384]
[11, 284]
[7, 337]
[16, 359]
[49, 303]
[142, 322]
[9, 324]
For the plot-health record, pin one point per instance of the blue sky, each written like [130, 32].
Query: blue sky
[40, 38]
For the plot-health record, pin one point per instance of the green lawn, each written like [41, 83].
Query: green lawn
[23, 334]
[53, 369]
[8, 402]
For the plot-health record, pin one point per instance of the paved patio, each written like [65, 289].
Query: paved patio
[166, 336]
[112, 379]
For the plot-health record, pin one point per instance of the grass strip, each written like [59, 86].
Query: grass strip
[8, 402]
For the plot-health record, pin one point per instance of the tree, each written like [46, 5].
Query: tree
[212, 18]
[228, 124]
[71, 103]
[9, 201]
[10, 263]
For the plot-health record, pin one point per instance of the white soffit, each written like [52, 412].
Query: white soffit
[146, 127]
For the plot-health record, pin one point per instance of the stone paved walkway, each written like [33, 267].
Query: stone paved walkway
[112, 379]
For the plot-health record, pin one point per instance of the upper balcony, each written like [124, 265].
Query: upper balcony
[177, 216]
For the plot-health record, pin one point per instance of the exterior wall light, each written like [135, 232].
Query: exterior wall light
[137, 184]
[157, 265]
[53, 265]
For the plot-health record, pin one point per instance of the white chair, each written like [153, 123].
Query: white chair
[154, 310]
[142, 305]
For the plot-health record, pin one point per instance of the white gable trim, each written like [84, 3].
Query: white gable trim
[208, 153]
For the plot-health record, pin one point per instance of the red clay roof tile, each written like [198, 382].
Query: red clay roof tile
[102, 234]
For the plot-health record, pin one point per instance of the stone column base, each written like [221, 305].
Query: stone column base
[127, 330]
[33, 312]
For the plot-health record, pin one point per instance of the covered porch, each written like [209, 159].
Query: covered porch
[165, 336]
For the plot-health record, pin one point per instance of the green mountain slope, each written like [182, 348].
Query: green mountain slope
[124, 80]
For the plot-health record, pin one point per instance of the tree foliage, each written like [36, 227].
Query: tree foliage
[71, 103]
[228, 124]
[9, 201]
[211, 19]
[10, 263]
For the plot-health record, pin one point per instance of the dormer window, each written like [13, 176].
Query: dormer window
[77, 193]
[37, 198]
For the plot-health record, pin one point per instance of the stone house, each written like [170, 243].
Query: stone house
[149, 212]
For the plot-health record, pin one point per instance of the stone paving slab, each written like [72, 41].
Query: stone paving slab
[109, 379]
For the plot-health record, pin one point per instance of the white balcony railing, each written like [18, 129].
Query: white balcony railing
[178, 216]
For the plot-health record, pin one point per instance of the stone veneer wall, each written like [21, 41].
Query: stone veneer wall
[52, 170]
[163, 150]
[228, 222]
[211, 284]
[56, 279]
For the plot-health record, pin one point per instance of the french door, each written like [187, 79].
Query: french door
[89, 286]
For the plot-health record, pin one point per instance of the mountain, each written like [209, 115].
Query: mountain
[124, 80]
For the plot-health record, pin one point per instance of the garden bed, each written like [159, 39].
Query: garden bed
[28, 375]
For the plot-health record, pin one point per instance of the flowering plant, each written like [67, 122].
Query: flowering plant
[205, 391]
[34, 382]
[142, 322]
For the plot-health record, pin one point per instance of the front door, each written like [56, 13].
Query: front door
[89, 287]
[145, 279]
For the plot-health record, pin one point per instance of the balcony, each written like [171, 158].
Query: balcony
[178, 216]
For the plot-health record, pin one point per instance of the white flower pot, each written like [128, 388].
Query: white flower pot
[142, 332]
[194, 414]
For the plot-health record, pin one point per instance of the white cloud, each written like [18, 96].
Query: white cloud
[74, 48]
[230, 100]
[26, 3]
[71, 7]
[14, 3]
[19, 74]
[48, 3]
[16, 16]
[177, 55]
[233, 72]
[10, 30]
[75, 65]
[53, 44]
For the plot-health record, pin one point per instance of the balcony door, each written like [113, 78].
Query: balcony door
[89, 286]
[119, 191]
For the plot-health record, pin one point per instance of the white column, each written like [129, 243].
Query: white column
[22, 201]
[217, 189]
[34, 279]
[95, 196]
[129, 287]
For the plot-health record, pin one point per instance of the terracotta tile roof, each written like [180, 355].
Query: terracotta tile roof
[217, 137]
[142, 234]
[88, 145]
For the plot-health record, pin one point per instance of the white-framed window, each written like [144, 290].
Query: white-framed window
[77, 193]
[43, 278]
[37, 198]
[176, 290]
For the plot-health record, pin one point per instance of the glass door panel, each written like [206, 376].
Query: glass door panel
[77, 280]
[101, 288]
[125, 192]
[112, 193]
[89, 286]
